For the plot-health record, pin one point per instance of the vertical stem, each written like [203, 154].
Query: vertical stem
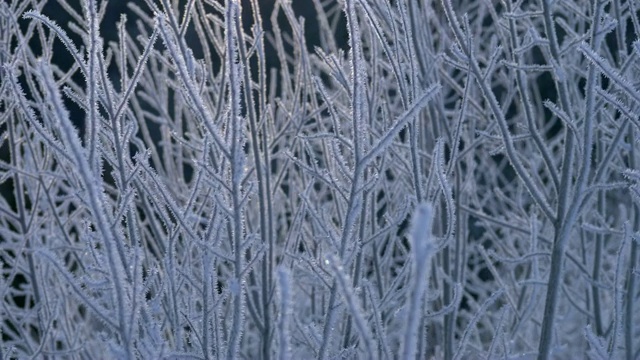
[629, 328]
[237, 174]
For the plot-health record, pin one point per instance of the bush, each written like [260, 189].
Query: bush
[457, 180]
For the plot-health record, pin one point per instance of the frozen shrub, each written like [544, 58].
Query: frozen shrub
[204, 179]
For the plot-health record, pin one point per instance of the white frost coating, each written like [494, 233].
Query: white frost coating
[421, 230]
[422, 246]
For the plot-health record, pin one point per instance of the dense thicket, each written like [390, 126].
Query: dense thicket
[319, 179]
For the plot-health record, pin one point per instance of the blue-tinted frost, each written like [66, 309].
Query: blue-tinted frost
[435, 179]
